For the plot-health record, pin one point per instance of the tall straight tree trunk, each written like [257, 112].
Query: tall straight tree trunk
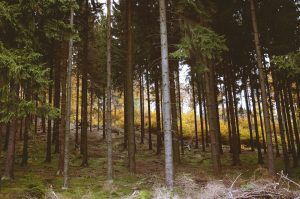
[205, 112]
[149, 111]
[142, 108]
[281, 129]
[157, 110]
[228, 115]
[129, 92]
[272, 117]
[236, 114]
[175, 136]
[286, 126]
[49, 130]
[98, 114]
[261, 121]
[77, 110]
[248, 114]
[56, 105]
[284, 98]
[62, 129]
[258, 146]
[194, 109]
[104, 116]
[271, 164]
[10, 155]
[179, 110]
[7, 130]
[84, 95]
[91, 109]
[294, 119]
[68, 107]
[200, 113]
[212, 119]
[28, 95]
[109, 91]
[235, 142]
[166, 102]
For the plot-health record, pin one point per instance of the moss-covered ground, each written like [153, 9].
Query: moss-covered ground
[39, 178]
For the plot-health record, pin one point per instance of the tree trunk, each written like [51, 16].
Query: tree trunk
[281, 129]
[294, 119]
[194, 109]
[109, 91]
[10, 156]
[91, 109]
[49, 130]
[129, 92]
[272, 117]
[228, 115]
[284, 99]
[157, 110]
[68, 107]
[179, 111]
[142, 108]
[98, 114]
[212, 119]
[236, 114]
[77, 110]
[258, 146]
[104, 116]
[56, 105]
[271, 164]
[235, 142]
[149, 111]
[166, 102]
[248, 114]
[261, 121]
[175, 134]
[84, 97]
[201, 113]
[205, 113]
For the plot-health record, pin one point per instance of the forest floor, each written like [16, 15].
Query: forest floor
[195, 171]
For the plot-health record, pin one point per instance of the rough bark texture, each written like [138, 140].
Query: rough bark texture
[149, 111]
[68, 108]
[129, 93]
[271, 164]
[108, 102]
[84, 97]
[166, 102]
[212, 119]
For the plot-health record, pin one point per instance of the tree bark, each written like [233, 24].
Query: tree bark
[194, 109]
[281, 129]
[49, 130]
[149, 111]
[271, 164]
[212, 119]
[157, 110]
[248, 114]
[109, 91]
[294, 119]
[142, 108]
[77, 110]
[129, 92]
[284, 99]
[179, 111]
[235, 143]
[84, 97]
[258, 145]
[166, 102]
[68, 107]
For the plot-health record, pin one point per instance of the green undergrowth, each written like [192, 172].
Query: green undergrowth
[39, 178]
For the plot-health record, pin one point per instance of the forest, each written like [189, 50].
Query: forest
[141, 99]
